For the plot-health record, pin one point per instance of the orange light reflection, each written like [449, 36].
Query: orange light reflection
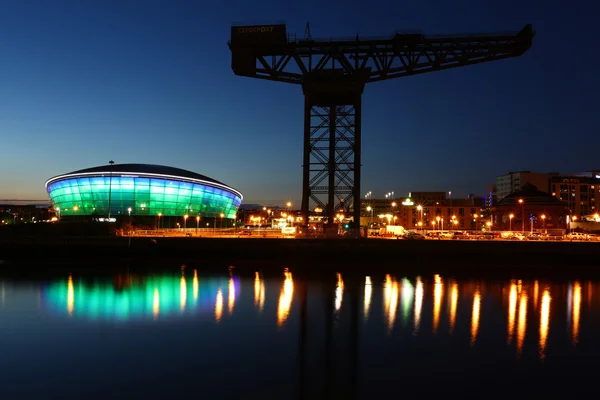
[512, 310]
[182, 292]
[576, 311]
[195, 285]
[155, 304]
[285, 299]
[453, 305]
[70, 296]
[438, 290]
[418, 304]
[219, 306]
[522, 324]
[475, 316]
[230, 296]
[368, 294]
[544, 322]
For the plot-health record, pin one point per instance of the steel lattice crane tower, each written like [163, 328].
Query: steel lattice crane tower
[333, 74]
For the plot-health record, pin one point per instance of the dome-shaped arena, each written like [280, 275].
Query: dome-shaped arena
[141, 190]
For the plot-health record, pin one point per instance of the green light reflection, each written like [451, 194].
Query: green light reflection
[150, 297]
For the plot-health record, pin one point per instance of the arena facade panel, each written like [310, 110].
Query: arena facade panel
[141, 190]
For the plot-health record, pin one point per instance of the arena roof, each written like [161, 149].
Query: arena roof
[145, 169]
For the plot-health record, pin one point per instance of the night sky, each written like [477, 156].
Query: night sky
[85, 82]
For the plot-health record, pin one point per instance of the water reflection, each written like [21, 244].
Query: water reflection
[453, 304]
[70, 296]
[131, 297]
[368, 294]
[512, 310]
[475, 316]
[155, 303]
[407, 298]
[522, 324]
[438, 289]
[195, 285]
[182, 292]
[391, 293]
[230, 295]
[576, 311]
[219, 306]
[192, 319]
[536, 289]
[339, 292]
[285, 299]
[544, 321]
[418, 305]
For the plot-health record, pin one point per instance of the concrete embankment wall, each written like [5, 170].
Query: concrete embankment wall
[307, 253]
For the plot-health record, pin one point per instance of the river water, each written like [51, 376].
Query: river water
[184, 334]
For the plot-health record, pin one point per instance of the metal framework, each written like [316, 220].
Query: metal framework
[333, 74]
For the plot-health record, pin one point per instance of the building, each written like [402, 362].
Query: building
[23, 213]
[514, 181]
[581, 192]
[427, 210]
[529, 209]
[141, 190]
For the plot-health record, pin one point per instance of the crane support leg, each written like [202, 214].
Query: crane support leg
[331, 169]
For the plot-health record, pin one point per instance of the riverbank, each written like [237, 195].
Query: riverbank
[308, 253]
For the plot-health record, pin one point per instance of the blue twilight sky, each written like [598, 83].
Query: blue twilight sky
[85, 82]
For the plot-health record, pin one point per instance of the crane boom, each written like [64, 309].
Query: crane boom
[395, 57]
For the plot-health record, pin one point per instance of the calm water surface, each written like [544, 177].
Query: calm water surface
[187, 335]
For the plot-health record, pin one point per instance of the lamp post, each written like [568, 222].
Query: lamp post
[543, 217]
[197, 224]
[111, 162]
[159, 215]
[510, 217]
[185, 217]
[420, 209]
[221, 215]
[475, 216]
[369, 208]
[522, 203]
[129, 211]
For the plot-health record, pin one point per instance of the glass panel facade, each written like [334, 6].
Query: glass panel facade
[145, 196]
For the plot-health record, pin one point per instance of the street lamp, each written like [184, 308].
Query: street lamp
[197, 223]
[185, 217]
[420, 209]
[222, 215]
[438, 221]
[129, 211]
[475, 216]
[543, 216]
[369, 208]
[522, 203]
[159, 215]
[510, 217]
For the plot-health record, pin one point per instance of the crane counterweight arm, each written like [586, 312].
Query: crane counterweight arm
[376, 60]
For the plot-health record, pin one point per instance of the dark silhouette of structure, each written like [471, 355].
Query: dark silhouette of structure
[333, 74]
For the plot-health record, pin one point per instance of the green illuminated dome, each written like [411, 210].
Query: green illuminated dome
[141, 189]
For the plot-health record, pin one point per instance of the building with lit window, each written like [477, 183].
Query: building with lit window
[514, 181]
[530, 209]
[426, 210]
[141, 190]
[581, 192]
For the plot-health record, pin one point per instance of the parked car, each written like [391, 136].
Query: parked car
[413, 236]
[537, 236]
[577, 236]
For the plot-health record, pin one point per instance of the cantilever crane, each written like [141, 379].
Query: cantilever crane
[333, 74]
